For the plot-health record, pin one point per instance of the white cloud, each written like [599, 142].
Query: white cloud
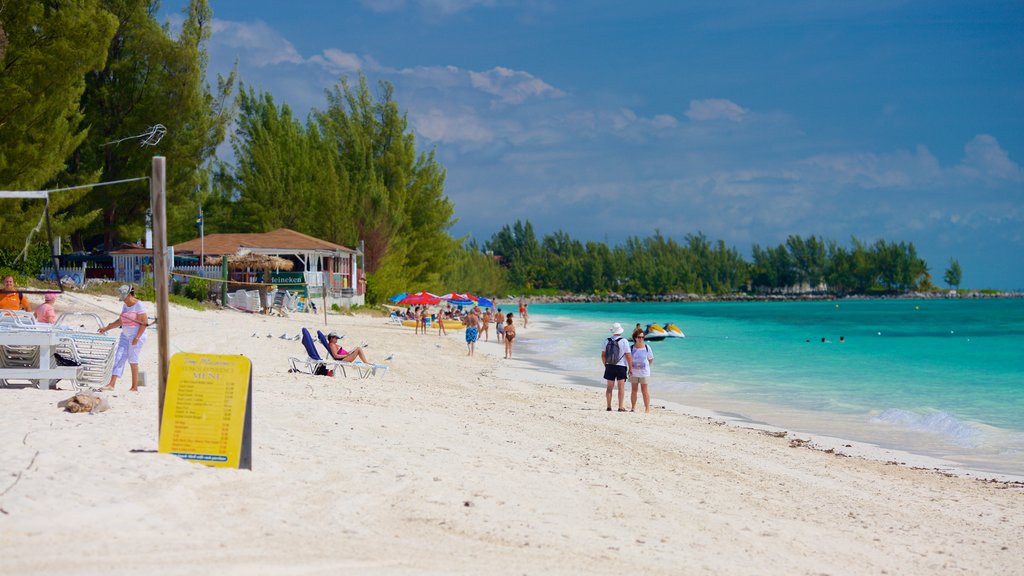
[336, 61]
[262, 45]
[461, 127]
[985, 159]
[512, 86]
[715, 109]
[442, 6]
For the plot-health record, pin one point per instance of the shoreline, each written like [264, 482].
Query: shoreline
[457, 465]
[807, 439]
[615, 297]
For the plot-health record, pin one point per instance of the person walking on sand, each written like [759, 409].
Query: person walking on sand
[641, 359]
[12, 298]
[485, 320]
[510, 335]
[441, 318]
[499, 326]
[133, 321]
[525, 312]
[472, 331]
[616, 357]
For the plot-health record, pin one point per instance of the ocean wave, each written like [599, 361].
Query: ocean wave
[944, 423]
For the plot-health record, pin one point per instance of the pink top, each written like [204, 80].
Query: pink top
[130, 315]
[46, 314]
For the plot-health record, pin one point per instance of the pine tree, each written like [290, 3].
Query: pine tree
[46, 49]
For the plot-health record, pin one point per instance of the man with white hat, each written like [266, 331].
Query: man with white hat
[617, 359]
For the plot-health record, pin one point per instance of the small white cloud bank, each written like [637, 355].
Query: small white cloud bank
[261, 44]
[986, 160]
[336, 61]
[512, 86]
[715, 109]
[435, 6]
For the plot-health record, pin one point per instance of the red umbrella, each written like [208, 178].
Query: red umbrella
[456, 298]
[420, 298]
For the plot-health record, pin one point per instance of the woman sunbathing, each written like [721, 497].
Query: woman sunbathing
[339, 353]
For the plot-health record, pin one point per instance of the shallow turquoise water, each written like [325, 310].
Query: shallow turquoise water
[940, 377]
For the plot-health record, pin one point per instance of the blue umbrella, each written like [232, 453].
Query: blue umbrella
[485, 303]
[398, 296]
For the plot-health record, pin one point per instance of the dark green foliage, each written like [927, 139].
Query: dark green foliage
[953, 274]
[46, 49]
[658, 265]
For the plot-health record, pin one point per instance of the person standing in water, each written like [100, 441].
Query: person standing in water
[133, 322]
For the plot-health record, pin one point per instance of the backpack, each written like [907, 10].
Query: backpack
[611, 351]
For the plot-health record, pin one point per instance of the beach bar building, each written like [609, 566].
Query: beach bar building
[319, 265]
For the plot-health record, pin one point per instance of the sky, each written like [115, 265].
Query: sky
[747, 121]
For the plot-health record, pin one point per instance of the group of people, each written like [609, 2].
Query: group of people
[477, 324]
[13, 299]
[621, 361]
[132, 321]
[505, 329]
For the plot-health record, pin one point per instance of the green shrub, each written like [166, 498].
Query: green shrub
[197, 289]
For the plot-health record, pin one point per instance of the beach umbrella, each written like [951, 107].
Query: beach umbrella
[398, 297]
[459, 299]
[484, 303]
[420, 298]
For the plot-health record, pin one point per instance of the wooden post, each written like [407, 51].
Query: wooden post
[158, 200]
[224, 284]
[324, 289]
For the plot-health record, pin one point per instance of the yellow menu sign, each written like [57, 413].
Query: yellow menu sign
[208, 410]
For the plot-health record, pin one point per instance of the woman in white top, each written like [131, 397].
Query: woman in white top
[133, 322]
[640, 369]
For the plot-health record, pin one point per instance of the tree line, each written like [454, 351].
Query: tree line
[659, 265]
[93, 89]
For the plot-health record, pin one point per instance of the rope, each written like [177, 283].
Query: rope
[42, 218]
[43, 193]
[151, 137]
[229, 281]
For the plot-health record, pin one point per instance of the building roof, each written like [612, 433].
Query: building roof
[280, 241]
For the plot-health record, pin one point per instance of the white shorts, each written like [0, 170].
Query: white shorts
[638, 379]
[126, 353]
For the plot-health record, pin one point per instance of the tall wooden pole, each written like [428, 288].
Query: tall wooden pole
[158, 199]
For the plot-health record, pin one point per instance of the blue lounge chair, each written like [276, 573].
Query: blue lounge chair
[364, 370]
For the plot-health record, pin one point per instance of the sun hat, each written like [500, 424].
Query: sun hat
[50, 296]
[123, 292]
[332, 335]
[616, 329]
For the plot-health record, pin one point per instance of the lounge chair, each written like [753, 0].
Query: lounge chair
[364, 370]
[312, 361]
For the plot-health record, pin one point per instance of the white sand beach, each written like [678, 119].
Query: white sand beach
[459, 465]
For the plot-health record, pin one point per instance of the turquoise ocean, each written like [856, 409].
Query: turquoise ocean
[942, 378]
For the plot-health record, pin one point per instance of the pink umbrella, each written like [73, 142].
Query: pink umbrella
[420, 298]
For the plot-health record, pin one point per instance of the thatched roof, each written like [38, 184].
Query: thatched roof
[254, 261]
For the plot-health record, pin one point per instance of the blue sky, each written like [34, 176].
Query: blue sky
[743, 119]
